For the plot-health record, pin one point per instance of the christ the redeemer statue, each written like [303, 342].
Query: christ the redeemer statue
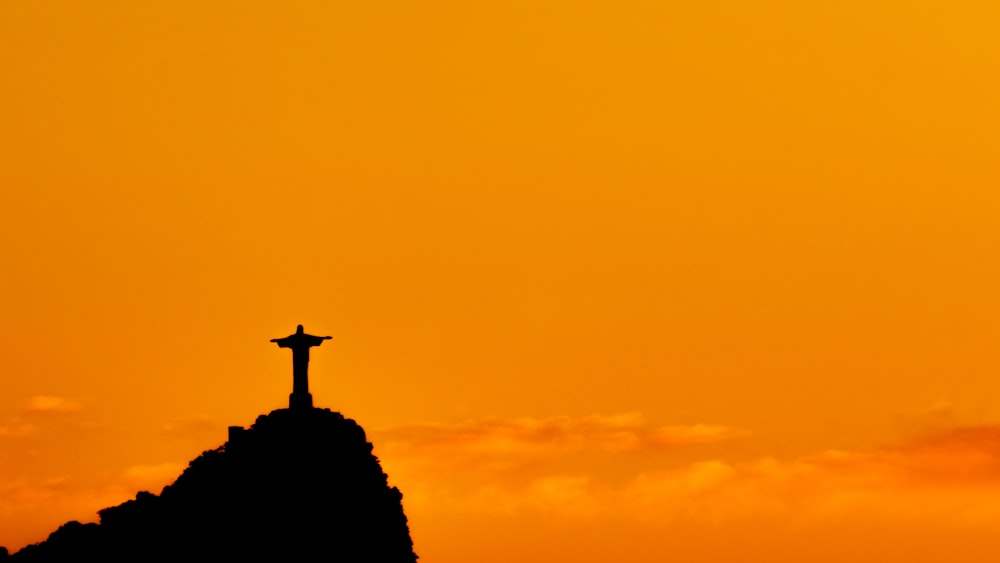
[300, 343]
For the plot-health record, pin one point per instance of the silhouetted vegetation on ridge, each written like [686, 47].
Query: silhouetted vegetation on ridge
[298, 485]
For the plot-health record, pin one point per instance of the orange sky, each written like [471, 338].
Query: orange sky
[625, 280]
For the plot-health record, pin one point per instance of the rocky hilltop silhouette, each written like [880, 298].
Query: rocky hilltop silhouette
[298, 485]
[301, 484]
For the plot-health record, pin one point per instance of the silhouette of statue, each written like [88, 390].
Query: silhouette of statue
[300, 343]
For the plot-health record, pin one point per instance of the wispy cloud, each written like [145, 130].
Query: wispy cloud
[41, 404]
[945, 474]
[950, 475]
[18, 430]
[155, 474]
[191, 426]
[552, 436]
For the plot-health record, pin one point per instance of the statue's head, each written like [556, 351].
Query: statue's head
[299, 330]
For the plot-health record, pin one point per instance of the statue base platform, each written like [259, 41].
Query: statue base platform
[300, 401]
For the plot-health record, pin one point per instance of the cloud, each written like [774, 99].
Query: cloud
[19, 427]
[161, 473]
[41, 404]
[191, 427]
[947, 476]
[499, 437]
[34, 505]
[18, 430]
[958, 456]
[668, 436]
[542, 465]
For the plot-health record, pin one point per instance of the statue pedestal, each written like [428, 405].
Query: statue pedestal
[300, 401]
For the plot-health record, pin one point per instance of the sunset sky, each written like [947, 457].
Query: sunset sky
[626, 280]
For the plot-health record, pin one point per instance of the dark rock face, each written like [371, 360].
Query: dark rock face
[298, 485]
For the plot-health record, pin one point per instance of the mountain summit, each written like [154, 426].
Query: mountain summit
[301, 484]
